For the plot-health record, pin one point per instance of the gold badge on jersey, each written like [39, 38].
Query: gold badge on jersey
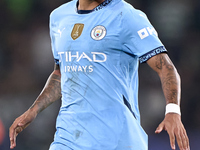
[77, 30]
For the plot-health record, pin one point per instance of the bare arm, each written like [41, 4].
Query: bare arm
[169, 77]
[170, 80]
[50, 93]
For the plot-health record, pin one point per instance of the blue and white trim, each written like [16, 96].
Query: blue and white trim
[103, 4]
[99, 7]
[56, 61]
[152, 53]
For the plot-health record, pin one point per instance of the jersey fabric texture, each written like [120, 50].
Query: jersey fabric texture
[98, 53]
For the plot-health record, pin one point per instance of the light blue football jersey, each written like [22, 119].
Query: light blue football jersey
[98, 53]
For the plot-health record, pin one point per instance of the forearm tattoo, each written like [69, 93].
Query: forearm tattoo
[169, 78]
[50, 93]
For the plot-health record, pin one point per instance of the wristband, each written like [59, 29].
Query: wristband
[172, 108]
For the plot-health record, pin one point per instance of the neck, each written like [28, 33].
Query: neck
[88, 4]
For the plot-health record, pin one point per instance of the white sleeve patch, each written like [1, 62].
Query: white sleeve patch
[145, 32]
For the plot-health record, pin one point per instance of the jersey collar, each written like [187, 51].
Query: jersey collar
[99, 7]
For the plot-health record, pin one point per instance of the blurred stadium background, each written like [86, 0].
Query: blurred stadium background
[26, 61]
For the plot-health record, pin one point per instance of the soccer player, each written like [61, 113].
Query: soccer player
[97, 46]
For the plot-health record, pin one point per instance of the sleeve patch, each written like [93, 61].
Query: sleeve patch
[152, 53]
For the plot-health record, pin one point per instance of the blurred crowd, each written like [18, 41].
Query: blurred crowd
[26, 61]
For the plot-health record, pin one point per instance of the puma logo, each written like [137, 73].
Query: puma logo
[60, 31]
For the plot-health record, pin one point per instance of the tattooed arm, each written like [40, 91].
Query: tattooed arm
[170, 80]
[169, 77]
[50, 93]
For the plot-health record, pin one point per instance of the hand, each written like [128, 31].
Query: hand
[173, 125]
[19, 125]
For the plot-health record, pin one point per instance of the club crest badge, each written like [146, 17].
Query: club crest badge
[77, 30]
[98, 32]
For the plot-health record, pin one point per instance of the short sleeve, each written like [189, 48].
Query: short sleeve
[139, 37]
[52, 28]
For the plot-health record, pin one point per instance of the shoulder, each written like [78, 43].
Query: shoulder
[132, 18]
[64, 8]
[127, 8]
[133, 13]
[128, 13]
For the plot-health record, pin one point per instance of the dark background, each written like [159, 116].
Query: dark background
[26, 61]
